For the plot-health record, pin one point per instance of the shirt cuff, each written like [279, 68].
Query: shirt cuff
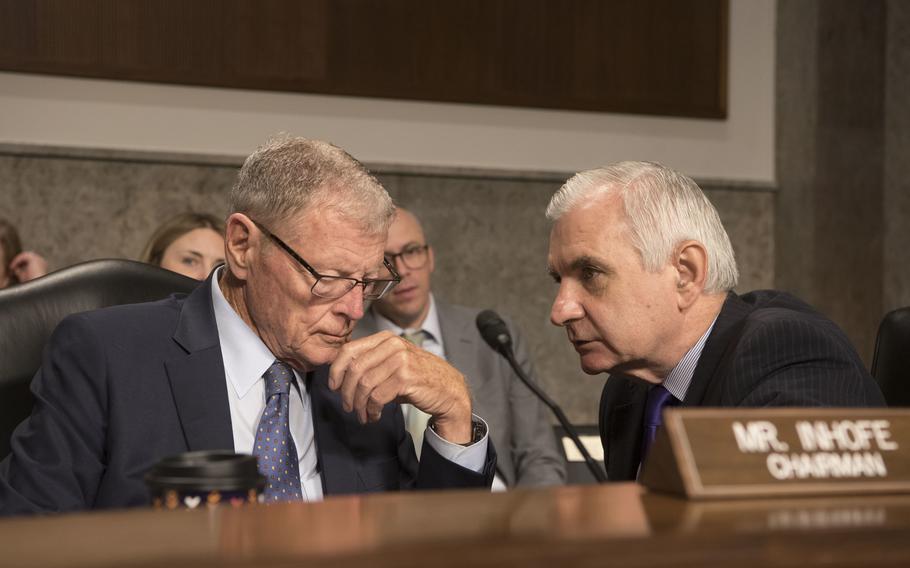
[473, 457]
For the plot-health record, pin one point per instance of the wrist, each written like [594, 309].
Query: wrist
[456, 428]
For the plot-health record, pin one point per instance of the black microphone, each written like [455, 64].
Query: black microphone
[496, 334]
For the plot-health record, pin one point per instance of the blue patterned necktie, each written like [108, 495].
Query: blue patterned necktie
[658, 398]
[274, 446]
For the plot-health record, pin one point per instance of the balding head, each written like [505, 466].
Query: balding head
[408, 303]
[408, 223]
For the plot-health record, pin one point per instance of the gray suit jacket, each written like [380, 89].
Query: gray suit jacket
[519, 424]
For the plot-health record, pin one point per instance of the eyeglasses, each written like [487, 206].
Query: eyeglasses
[413, 257]
[333, 287]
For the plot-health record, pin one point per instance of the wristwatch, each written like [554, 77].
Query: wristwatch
[478, 431]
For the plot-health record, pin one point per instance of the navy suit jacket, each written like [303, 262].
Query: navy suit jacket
[120, 388]
[767, 348]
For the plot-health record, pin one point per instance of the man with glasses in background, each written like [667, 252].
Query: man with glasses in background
[519, 423]
[256, 359]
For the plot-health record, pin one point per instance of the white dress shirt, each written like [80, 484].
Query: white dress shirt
[433, 342]
[246, 358]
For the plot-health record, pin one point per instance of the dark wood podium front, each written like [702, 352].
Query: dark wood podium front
[608, 525]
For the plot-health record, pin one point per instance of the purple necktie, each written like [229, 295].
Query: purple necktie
[274, 446]
[658, 398]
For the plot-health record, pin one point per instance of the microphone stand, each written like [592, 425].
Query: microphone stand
[598, 473]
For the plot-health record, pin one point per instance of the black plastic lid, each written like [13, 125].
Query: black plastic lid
[219, 470]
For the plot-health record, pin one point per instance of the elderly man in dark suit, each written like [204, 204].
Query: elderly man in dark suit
[256, 359]
[645, 273]
[519, 424]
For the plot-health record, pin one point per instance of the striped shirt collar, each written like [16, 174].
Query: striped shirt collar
[679, 379]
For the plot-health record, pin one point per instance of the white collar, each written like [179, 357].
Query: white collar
[246, 357]
[430, 323]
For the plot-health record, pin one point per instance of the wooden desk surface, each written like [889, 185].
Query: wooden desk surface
[616, 524]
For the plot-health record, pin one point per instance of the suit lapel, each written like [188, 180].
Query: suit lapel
[623, 401]
[704, 388]
[337, 463]
[197, 379]
[459, 345]
[621, 413]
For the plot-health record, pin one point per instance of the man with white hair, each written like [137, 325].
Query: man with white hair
[645, 272]
[255, 360]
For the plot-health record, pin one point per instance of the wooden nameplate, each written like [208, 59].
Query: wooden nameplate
[734, 452]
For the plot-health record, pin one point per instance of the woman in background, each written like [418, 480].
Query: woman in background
[17, 265]
[191, 244]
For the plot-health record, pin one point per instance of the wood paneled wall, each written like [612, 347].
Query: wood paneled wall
[663, 57]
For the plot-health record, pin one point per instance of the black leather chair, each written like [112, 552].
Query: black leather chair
[891, 362]
[29, 313]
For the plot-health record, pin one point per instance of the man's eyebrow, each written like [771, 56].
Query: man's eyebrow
[588, 261]
[410, 244]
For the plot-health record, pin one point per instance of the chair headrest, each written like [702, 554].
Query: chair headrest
[29, 312]
[891, 360]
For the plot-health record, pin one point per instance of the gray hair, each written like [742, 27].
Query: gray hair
[288, 176]
[663, 208]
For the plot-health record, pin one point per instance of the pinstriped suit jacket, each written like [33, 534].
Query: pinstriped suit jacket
[767, 348]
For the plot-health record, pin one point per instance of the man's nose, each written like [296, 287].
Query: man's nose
[351, 304]
[566, 308]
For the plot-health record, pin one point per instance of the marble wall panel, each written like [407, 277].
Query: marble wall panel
[72, 209]
[487, 227]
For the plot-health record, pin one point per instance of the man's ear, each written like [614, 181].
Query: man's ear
[432, 259]
[691, 264]
[240, 244]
